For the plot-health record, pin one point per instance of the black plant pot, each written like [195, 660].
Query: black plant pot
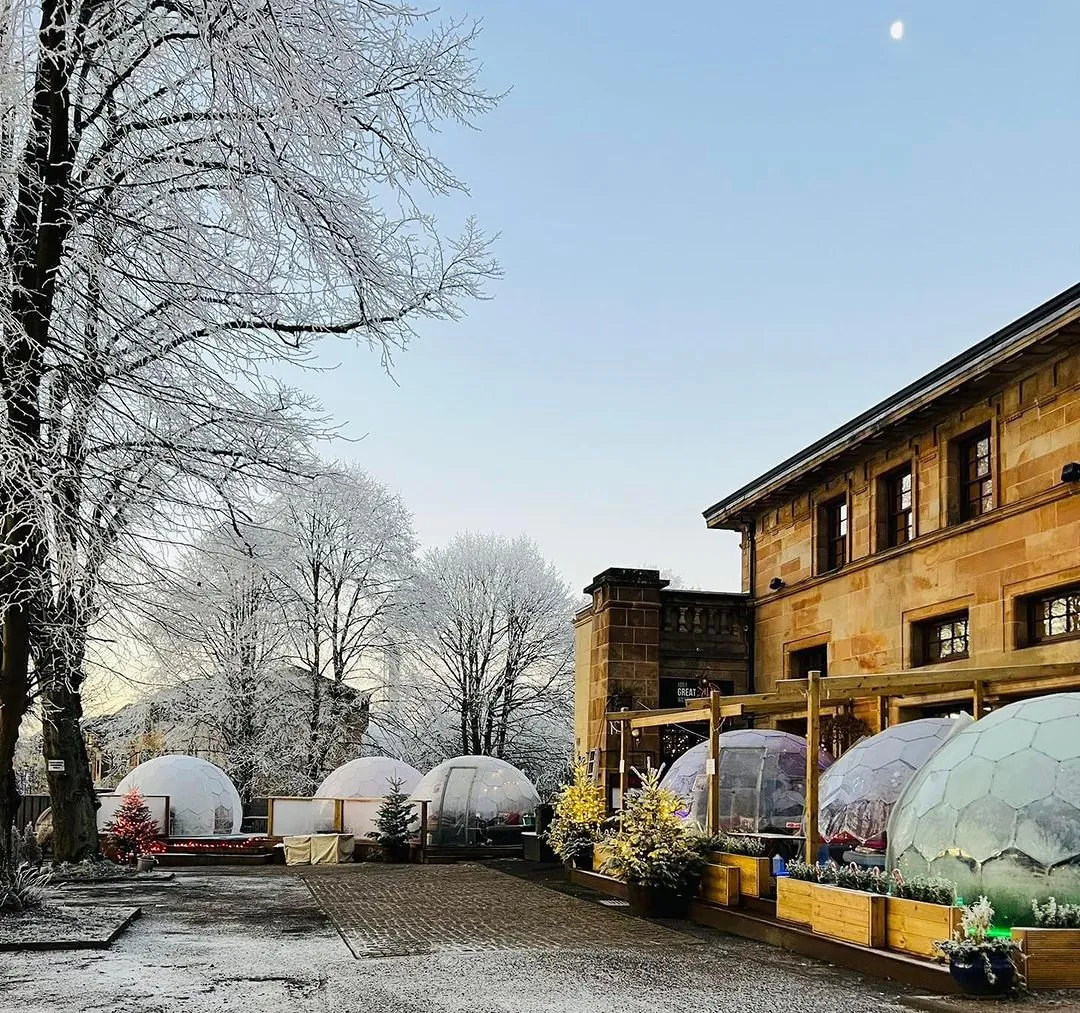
[972, 978]
[656, 901]
[395, 852]
[583, 859]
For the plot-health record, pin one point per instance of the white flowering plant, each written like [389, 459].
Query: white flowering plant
[973, 940]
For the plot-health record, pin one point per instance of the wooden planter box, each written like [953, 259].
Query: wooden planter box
[755, 874]
[913, 926]
[720, 884]
[850, 915]
[793, 900]
[1050, 958]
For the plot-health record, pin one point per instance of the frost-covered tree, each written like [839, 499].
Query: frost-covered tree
[190, 195]
[492, 656]
[343, 568]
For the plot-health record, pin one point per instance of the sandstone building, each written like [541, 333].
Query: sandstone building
[940, 528]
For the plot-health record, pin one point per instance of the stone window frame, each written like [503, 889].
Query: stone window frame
[1018, 596]
[881, 480]
[914, 619]
[1027, 614]
[793, 647]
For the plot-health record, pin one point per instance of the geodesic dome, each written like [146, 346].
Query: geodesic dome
[997, 808]
[762, 779]
[476, 800]
[368, 777]
[202, 799]
[858, 792]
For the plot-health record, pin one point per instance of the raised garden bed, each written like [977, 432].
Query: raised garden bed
[850, 915]
[1049, 958]
[65, 927]
[793, 900]
[755, 874]
[913, 926]
[720, 884]
[599, 857]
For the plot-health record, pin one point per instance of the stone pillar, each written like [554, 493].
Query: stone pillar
[624, 663]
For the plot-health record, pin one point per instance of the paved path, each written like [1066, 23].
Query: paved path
[469, 939]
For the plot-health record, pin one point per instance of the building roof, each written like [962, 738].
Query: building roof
[1040, 333]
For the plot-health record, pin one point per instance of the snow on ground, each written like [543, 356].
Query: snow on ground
[257, 942]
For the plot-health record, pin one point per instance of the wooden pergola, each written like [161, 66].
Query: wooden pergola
[808, 696]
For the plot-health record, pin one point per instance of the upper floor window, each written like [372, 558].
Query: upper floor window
[945, 638]
[1054, 615]
[834, 534]
[898, 506]
[976, 474]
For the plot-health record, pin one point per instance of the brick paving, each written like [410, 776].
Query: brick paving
[386, 910]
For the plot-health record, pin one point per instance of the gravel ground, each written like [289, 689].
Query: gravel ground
[61, 925]
[257, 942]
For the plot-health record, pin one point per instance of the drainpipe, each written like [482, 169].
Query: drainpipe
[748, 533]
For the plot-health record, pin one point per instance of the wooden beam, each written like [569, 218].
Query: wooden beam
[813, 735]
[712, 773]
[978, 699]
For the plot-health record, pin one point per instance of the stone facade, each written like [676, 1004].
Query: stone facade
[641, 645]
[1007, 413]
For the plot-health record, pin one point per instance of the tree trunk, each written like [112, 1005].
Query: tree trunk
[74, 801]
[14, 703]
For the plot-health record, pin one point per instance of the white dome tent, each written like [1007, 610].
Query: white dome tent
[475, 801]
[369, 777]
[202, 799]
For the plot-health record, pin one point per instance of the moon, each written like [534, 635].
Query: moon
[896, 30]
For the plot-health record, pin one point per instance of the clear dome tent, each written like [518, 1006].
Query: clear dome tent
[368, 777]
[762, 780]
[858, 792]
[476, 800]
[202, 799]
[997, 808]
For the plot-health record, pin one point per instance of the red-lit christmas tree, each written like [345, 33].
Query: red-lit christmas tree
[132, 831]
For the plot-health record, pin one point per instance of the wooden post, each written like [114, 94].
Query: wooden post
[624, 764]
[978, 699]
[882, 713]
[813, 772]
[712, 773]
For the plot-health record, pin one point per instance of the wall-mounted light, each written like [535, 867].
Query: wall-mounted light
[1071, 472]
[776, 583]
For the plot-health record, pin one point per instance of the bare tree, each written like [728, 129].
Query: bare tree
[189, 194]
[492, 651]
[344, 571]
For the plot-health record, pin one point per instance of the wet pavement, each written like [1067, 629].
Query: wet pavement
[436, 939]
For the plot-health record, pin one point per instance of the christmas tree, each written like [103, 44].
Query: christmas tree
[395, 818]
[133, 831]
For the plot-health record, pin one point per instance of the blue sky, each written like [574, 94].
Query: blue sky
[725, 230]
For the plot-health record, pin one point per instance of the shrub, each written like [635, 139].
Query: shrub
[737, 844]
[22, 887]
[1053, 915]
[580, 816]
[29, 847]
[929, 889]
[804, 872]
[652, 846]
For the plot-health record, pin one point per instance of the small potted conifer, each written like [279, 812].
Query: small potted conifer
[580, 817]
[979, 963]
[132, 835]
[394, 823]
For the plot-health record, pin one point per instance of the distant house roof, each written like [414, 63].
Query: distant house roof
[961, 378]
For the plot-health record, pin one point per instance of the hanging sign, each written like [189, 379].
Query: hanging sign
[55, 766]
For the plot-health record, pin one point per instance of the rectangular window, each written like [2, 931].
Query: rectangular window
[898, 508]
[834, 534]
[810, 659]
[942, 639]
[1054, 615]
[976, 475]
